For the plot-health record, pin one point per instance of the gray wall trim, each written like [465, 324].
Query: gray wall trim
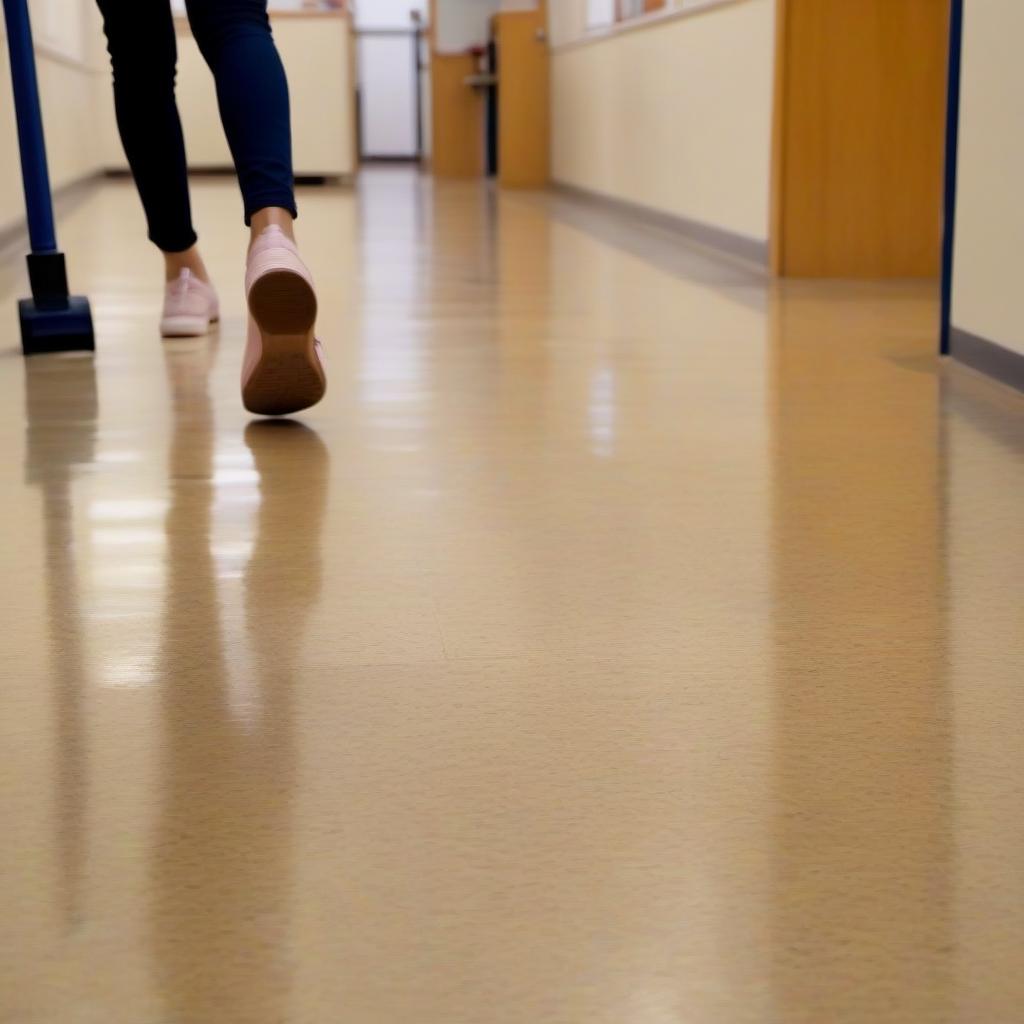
[981, 354]
[752, 250]
[212, 171]
[65, 198]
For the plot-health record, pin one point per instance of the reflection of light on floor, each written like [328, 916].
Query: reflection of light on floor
[236, 491]
[239, 499]
[123, 573]
[132, 574]
[118, 458]
[137, 564]
[128, 673]
[110, 537]
[236, 455]
[124, 509]
[226, 477]
[229, 550]
[236, 499]
[390, 373]
[235, 484]
[601, 412]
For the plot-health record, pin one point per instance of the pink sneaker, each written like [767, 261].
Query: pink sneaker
[190, 306]
[283, 368]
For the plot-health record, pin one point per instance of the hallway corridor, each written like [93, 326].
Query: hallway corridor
[626, 639]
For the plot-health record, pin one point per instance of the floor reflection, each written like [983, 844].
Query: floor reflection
[864, 736]
[61, 408]
[668, 667]
[223, 863]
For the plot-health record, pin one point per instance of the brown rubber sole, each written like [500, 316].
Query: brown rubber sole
[288, 376]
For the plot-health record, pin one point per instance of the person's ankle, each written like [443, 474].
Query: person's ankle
[271, 215]
[176, 262]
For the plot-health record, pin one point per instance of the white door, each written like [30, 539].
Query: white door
[388, 98]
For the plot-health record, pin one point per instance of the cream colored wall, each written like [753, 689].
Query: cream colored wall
[67, 64]
[990, 211]
[81, 136]
[675, 115]
[316, 56]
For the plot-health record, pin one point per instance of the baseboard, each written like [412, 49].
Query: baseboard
[215, 171]
[987, 357]
[751, 250]
[65, 199]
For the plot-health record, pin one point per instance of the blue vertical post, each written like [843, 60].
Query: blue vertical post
[956, 32]
[34, 173]
[52, 320]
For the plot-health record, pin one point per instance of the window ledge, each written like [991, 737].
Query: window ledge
[644, 21]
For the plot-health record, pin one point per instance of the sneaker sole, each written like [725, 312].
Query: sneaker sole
[288, 376]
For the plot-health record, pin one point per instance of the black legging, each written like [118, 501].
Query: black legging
[252, 93]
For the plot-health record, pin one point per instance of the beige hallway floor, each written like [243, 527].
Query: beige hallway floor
[623, 641]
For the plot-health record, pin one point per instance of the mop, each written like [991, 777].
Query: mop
[52, 320]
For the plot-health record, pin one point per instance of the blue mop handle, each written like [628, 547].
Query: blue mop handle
[34, 174]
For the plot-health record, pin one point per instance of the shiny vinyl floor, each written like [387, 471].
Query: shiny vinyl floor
[623, 641]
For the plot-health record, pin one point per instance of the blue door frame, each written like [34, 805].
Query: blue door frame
[956, 32]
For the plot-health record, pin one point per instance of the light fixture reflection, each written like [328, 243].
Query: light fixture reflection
[126, 509]
[601, 412]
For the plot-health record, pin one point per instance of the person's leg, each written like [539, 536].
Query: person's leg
[252, 93]
[140, 40]
[282, 369]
